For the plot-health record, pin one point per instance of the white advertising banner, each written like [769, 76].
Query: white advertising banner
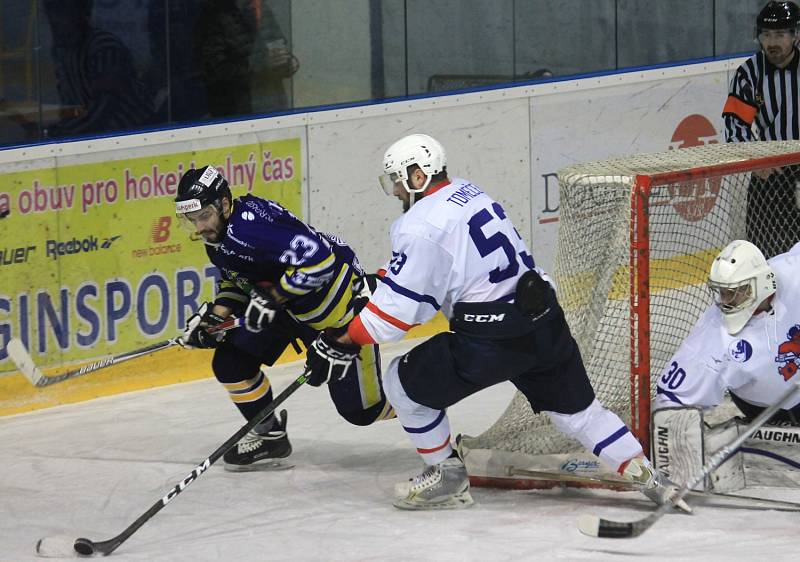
[485, 143]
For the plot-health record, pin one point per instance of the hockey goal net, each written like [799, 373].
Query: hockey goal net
[636, 239]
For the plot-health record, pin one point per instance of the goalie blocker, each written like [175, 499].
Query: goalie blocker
[683, 443]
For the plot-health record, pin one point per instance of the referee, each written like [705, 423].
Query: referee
[764, 92]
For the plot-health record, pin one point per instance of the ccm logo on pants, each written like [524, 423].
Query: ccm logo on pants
[484, 317]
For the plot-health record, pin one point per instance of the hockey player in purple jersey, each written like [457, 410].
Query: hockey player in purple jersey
[290, 282]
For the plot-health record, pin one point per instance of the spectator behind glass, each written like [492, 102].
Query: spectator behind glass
[272, 61]
[175, 74]
[242, 52]
[96, 79]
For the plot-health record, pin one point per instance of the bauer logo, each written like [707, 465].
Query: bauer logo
[56, 249]
[694, 199]
[580, 465]
[11, 256]
[741, 351]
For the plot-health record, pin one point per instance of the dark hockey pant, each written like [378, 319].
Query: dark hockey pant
[358, 396]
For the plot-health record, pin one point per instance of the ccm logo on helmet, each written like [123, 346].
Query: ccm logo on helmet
[484, 317]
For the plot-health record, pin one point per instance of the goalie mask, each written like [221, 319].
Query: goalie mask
[740, 280]
[420, 150]
[198, 203]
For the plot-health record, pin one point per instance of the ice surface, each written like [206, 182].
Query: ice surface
[90, 469]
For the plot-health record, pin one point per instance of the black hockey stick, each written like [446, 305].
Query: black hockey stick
[24, 362]
[58, 547]
[604, 528]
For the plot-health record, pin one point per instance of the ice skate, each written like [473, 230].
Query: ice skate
[657, 487]
[441, 486]
[258, 451]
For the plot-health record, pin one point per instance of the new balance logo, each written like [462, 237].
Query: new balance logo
[159, 231]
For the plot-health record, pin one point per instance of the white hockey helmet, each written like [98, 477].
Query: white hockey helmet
[740, 280]
[419, 149]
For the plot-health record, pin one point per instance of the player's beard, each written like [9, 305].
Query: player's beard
[212, 236]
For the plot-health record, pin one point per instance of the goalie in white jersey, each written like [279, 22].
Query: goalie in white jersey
[748, 343]
[456, 250]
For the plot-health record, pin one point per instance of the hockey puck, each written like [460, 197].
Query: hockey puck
[84, 547]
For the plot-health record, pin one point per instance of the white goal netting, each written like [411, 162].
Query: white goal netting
[636, 238]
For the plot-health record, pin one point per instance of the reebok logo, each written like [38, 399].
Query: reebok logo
[55, 249]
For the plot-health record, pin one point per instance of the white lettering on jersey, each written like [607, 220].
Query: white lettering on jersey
[454, 245]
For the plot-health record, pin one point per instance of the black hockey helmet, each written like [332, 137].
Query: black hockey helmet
[199, 188]
[778, 15]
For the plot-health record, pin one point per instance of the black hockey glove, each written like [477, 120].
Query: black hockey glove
[195, 334]
[328, 359]
[261, 311]
[533, 294]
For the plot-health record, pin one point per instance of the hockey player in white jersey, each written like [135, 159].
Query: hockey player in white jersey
[457, 251]
[747, 342]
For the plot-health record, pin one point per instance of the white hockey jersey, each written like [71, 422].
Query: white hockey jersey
[756, 363]
[454, 245]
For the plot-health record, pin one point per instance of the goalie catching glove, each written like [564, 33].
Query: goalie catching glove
[196, 335]
[261, 311]
[328, 359]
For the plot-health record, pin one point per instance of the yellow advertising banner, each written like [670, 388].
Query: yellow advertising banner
[92, 261]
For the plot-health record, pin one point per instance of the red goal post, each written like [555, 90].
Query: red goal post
[636, 239]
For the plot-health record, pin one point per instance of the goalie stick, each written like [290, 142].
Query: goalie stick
[723, 500]
[594, 526]
[59, 546]
[24, 362]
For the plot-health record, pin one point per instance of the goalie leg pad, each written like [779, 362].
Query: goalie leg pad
[682, 443]
[771, 457]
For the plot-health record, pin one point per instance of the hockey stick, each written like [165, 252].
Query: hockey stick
[58, 546]
[604, 528]
[24, 362]
[724, 500]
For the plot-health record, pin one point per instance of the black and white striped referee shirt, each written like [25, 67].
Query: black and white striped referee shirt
[765, 95]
